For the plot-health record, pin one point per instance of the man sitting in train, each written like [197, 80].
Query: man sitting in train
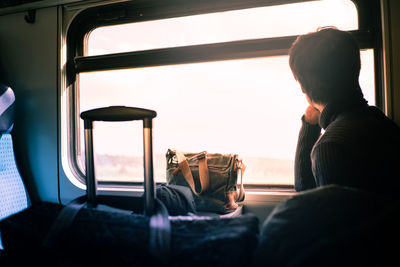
[360, 146]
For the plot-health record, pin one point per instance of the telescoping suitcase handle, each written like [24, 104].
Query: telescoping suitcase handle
[120, 113]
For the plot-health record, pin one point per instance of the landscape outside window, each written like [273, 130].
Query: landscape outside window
[251, 107]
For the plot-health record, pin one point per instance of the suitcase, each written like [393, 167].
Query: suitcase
[159, 227]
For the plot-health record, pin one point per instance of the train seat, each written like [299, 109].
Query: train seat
[331, 226]
[13, 195]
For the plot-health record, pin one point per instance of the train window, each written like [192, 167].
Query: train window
[260, 22]
[233, 101]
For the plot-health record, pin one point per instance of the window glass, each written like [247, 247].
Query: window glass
[252, 23]
[251, 107]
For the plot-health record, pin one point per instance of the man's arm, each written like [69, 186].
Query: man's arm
[309, 134]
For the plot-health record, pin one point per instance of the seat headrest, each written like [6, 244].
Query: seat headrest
[7, 99]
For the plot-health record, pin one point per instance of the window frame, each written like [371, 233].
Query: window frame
[368, 36]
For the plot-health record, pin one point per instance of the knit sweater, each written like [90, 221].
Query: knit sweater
[359, 148]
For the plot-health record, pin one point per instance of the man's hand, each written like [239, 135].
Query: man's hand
[311, 115]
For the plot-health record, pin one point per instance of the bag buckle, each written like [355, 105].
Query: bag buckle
[201, 155]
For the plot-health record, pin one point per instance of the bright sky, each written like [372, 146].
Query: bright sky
[262, 22]
[251, 107]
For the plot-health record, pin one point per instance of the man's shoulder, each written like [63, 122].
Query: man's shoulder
[368, 118]
[367, 125]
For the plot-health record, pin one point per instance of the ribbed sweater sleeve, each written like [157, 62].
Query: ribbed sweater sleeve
[303, 175]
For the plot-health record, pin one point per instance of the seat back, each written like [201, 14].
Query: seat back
[13, 195]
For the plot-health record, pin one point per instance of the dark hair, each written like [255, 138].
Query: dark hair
[326, 63]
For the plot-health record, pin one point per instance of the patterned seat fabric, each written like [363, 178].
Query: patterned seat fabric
[13, 195]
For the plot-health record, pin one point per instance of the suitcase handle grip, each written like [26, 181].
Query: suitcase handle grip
[118, 113]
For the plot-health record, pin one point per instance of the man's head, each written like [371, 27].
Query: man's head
[327, 64]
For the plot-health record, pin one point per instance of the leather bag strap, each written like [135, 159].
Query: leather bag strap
[187, 173]
[240, 167]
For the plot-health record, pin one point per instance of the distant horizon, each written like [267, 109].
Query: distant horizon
[130, 169]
